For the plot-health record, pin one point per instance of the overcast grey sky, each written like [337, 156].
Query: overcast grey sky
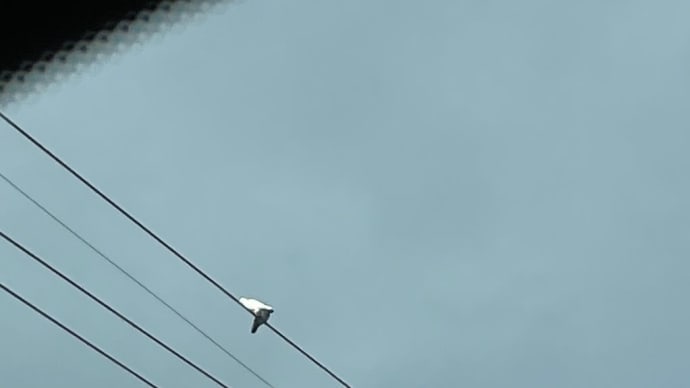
[431, 194]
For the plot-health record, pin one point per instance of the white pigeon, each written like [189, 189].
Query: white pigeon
[261, 311]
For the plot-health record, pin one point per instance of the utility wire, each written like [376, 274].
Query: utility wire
[130, 276]
[109, 308]
[78, 336]
[162, 242]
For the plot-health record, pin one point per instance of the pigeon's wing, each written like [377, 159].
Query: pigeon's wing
[256, 324]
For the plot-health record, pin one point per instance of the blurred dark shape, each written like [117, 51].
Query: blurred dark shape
[40, 41]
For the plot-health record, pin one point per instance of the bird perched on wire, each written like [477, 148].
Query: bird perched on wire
[261, 311]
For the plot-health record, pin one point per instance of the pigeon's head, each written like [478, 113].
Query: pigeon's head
[264, 306]
[264, 313]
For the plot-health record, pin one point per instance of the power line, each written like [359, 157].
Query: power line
[130, 276]
[163, 243]
[111, 309]
[78, 336]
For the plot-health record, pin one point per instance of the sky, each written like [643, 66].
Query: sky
[441, 193]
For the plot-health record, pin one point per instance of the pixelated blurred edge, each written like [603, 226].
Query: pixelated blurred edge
[97, 46]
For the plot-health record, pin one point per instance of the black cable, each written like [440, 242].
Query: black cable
[78, 336]
[160, 241]
[111, 309]
[130, 276]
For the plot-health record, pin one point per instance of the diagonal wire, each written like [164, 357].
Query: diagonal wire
[77, 336]
[110, 309]
[172, 250]
[130, 276]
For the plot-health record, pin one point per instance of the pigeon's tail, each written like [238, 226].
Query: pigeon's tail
[256, 324]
